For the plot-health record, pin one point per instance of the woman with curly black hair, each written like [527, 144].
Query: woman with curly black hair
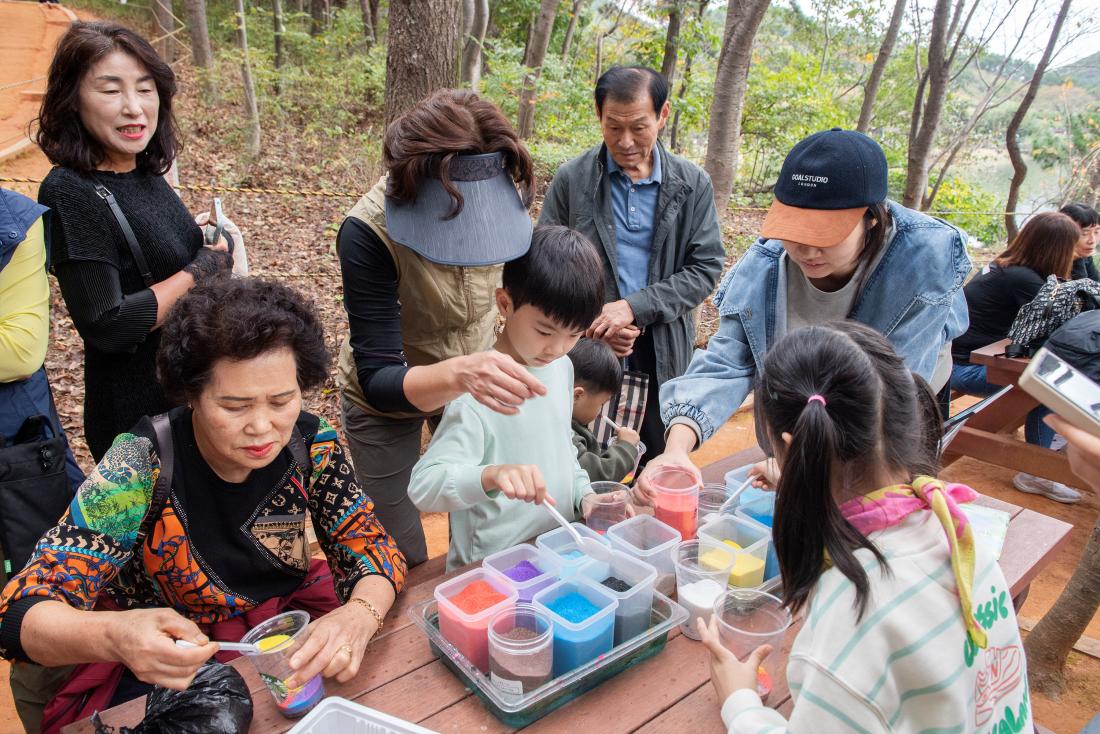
[220, 545]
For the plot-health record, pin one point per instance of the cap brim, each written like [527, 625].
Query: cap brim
[813, 227]
[492, 228]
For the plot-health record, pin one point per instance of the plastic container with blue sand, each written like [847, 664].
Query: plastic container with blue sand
[650, 541]
[631, 582]
[559, 542]
[750, 542]
[583, 614]
[530, 569]
[466, 605]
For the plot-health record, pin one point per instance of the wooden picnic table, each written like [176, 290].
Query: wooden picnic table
[669, 692]
[990, 434]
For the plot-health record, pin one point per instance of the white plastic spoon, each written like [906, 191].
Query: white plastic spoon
[245, 647]
[736, 493]
[587, 546]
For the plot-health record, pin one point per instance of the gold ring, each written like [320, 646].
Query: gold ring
[346, 648]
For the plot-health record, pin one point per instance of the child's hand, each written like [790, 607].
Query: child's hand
[727, 673]
[766, 473]
[517, 482]
[628, 435]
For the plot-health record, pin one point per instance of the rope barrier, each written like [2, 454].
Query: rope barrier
[209, 188]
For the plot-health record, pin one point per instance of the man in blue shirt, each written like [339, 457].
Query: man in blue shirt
[651, 215]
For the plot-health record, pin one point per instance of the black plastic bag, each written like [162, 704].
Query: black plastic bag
[216, 702]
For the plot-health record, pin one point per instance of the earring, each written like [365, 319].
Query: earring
[498, 328]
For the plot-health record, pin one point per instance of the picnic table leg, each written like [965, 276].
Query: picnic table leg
[1019, 599]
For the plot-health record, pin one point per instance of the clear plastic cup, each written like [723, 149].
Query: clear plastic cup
[521, 649]
[701, 575]
[677, 502]
[609, 505]
[279, 638]
[629, 478]
[747, 619]
[711, 499]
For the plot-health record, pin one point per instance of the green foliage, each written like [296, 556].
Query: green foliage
[976, 212]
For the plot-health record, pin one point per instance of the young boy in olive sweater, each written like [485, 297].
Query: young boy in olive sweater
[597, 375]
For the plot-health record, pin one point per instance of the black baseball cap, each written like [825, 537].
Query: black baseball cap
[492, 228]
[825, 186]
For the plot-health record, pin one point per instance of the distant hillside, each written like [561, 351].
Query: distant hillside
[1084, 73]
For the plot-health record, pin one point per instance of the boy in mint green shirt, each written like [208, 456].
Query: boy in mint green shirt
[491, 471]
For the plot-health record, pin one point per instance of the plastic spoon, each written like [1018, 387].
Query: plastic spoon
[611, 423]
[245, 647]
[587, 546]
[736, 493]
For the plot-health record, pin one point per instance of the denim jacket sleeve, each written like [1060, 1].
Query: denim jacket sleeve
[716, 383]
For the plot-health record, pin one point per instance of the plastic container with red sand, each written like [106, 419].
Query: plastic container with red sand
[677, 500]
[529, 569]
[583, 614]
[466, 604]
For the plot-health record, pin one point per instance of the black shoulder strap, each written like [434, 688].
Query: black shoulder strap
[131, 240]
[300, 453]
[163, 488]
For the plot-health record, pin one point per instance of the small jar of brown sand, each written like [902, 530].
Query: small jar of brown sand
[521, 649]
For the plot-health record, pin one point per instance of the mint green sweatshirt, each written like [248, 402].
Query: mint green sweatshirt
[471, 437]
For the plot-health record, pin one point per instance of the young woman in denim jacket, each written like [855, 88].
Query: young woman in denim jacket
[833, 246]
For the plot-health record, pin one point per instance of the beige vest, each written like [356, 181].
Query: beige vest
[446, 311]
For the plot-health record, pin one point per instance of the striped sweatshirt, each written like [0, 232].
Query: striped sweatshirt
[907, 666]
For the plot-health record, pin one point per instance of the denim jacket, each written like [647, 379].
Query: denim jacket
[914, 298]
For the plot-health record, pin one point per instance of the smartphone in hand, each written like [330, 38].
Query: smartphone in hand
[1064, 389]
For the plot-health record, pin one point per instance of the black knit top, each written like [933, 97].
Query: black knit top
[103, 289]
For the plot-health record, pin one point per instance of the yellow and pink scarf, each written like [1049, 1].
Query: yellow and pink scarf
[888, 506]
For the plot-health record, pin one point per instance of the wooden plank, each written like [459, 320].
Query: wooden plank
[1008, 452]
[1005, 414]
[417, 695]
[1031, 541]
[996, 504]
[1086, 645]
[468, 715]
[716, 471]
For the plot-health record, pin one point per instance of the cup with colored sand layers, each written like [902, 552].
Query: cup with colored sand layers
[521, 649]
[677, 500]
[278, 639]
[747, 619]
[466, 605]
[607, 506]
[629, 478]
[700, 579]
[750, 542]
[583, 614]
[630, 581]
[650, 541]
[530, 569]
[559, 542]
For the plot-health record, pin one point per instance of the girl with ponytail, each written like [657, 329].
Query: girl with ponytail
[908, 626]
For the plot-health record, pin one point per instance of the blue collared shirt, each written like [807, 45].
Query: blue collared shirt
[634, 206]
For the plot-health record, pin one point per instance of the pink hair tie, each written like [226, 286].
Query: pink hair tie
[816, 399]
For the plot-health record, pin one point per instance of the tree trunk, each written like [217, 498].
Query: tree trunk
[1048, 645]
[195, 12]
[672, 42]
[536, 54]
[279, 30]
[423, 51]
[1019, 168]
[475, 38]
[730, 84]
[571, 29]
[870, 89]
[166, 24]
[317, 13]
[916, 174]
[368, 22]
[249, 86]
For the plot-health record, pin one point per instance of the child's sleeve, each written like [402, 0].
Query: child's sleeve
[616, 461]
[448, 476]
[582, 486]
[822, 702]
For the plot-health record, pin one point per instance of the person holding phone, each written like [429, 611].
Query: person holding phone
[123, 245]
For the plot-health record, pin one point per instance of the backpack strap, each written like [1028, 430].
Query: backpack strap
[300, 452]
[162, 427]
[131, 240]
